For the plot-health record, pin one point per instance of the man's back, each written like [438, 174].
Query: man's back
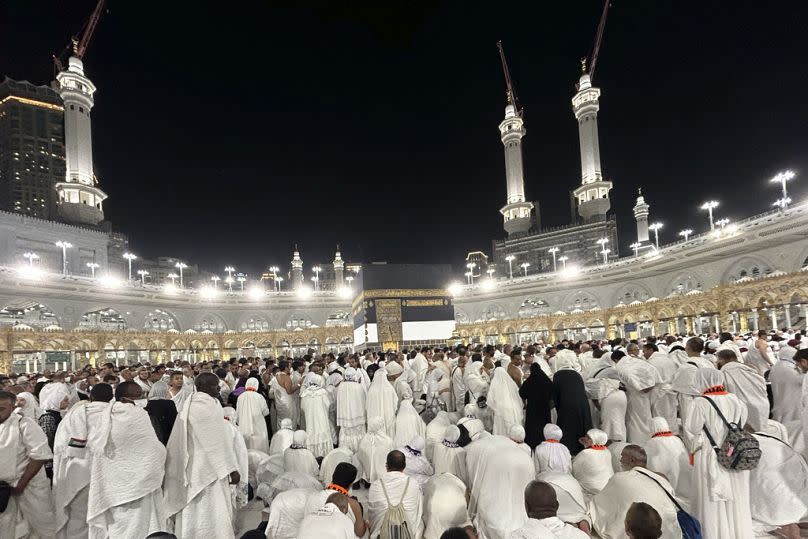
[399, 488]
[328, 521]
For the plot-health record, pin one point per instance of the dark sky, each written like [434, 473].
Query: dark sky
[226, 132]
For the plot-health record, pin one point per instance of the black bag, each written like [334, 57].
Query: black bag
[739, 450]
[690, 525]
[5, 495]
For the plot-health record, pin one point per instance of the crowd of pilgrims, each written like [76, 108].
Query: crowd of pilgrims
[606, 439]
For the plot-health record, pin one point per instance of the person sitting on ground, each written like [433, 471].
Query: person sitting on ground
[541, 506]
[643, 522]
[330, 521]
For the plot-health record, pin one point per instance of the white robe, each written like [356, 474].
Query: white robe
[71, 468]
[499, 472]
[281, 441]
[419, 366]
[720, 496]
[382, 401]
[120, 505]
[301, 460]
[287, 511]
[638, 376]
[779, 484]
[504, 400]
[593, 469]
[196, 487]
[749, 386]
[400, 488]
[663, 398]
[458, 388]
[667, 455]
[314, 403]
[372, 454]
[602, 383]
[549, 528]
[444, 505]
[418, 467]
[448, 459]
[434, 432]
[408, 424]
[328, 521]
[572, 503]
[786, 384]
[351, 413]
[287, 405]
[22, 440]
[252, 408]
[608, 508]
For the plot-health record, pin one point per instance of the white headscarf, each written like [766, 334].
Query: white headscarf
[597, 436]
[159, 390]
[553, 456]
[393, 368]
[517, 433]
[566, 360]
[252, 383]
[451, 435]
[299, 439]
[659, 424]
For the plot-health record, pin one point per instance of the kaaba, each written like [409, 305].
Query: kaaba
[403, 305]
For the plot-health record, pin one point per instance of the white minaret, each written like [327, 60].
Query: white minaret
[297, 270]
[339, 270]
[516, 211]
[80, 199]
[641, 216]
[593, 194]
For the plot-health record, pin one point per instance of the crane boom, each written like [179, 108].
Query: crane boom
[511, 94]
[598, 39]
[81, 47]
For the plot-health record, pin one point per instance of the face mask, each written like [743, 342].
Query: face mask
[140, 403]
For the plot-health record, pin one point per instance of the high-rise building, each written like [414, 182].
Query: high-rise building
[32, 151]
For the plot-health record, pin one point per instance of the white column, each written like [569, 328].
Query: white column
[787, 312]
[27, 364]
[734, 324]
[773, 316]
[717, 323]
[754, 319]
[36, 363]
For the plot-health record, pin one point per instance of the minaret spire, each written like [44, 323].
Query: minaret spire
[517, 211]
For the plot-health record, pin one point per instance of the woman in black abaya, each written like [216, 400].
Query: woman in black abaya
[537, 390]
[571, 402]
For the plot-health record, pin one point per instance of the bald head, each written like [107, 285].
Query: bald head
[633, 456]
[340, 500]
[540, 500]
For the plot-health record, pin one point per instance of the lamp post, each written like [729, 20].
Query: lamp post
[524, 266]
[229, 270]
[710, 205]
[93, 266]
[241, 278]
[686, 233]
[782, 178]
[563, 260]
[636, 246]
[722, 222]
[142, 274]
[181, 266]
[553, 251]
[490, 272]
[471, 266]
[468, 277]
[605, 254]
[279, 280]
[655, 227]
[510, 259]
[602, 242]
[173, 277]
[215, 280]
[229, 281]
[316, 270]
[129, 257]
[30, 257]
[350, 279]
[274, 271]
[65, 245]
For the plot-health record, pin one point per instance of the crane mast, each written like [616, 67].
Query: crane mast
[598, 39]
[79, 46]
[510, 92]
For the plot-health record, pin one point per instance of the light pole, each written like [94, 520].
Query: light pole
[468, 277]
[181, 266]
[782, 178]
[279, 280]
[65, 245]
[553, 251]
[173, 277]
[686, 233]
[655, 227]
[350, 279]
[142, 274]
[602, 242]
[229, 281]
[722, 222]
[710, 205]
[636, 246]
[215, 280]
[471, 266]
[31, 257]
[230, 270]
[605, 254]
[563, 260]
[93, 266]
[510, 259]
[241, 278]
[316, 270]
[490, 272]
[129, 257]
[524, 266]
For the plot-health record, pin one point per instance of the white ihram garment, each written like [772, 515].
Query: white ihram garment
[503, 398]
[749, 386]
[638, 376]
[444, 505]
[593, 469]
[196, 486]
[373, 450]
[780, 484]
[287, 405]
[667, 455]
[382, 402]
[314, 403]
[663, 398]
[351, 410]
[252, 408]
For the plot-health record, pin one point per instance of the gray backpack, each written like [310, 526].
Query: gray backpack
[394, 522]
[739, 450]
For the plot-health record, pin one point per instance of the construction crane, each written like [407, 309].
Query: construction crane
[511, 94]
[593, 61]
[79, 45]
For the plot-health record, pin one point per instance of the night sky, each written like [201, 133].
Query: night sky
[224, 133]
